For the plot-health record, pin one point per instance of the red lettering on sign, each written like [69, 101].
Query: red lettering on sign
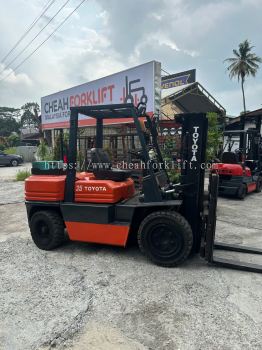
[94, 100]
[99, 96]
[77, 100]
[88, 98]
[83, 99]
[103, 93]
[110, 88]
[72, 101]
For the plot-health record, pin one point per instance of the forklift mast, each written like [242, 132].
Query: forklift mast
[250, 143]
[193, 154]
[251, 146]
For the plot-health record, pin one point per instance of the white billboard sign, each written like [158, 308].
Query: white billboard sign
[141, 83]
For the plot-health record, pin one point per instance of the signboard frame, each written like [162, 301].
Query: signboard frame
[178, 79]
[138, 84]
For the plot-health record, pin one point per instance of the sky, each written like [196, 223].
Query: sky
[106, 36]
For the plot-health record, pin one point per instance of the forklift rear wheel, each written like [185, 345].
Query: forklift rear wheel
[166, 238]
[242, 191]
[259, 185]
[47, 229]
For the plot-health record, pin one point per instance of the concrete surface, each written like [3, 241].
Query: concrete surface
[93, 297]
[9, 173]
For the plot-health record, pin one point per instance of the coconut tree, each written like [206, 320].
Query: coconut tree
[243, 64]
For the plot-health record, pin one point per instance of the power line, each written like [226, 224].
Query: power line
[45, 8]
[165, 71]
[43, 42]
[30, 42]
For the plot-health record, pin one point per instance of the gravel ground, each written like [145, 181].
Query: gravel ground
[9, 173]
[93, 297]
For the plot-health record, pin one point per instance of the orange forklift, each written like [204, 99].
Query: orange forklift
[100, 205]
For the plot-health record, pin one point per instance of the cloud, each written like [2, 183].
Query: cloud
[88, 57]
[12, 78]
[104, 37]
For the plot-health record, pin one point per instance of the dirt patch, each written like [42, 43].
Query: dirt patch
[102, 337]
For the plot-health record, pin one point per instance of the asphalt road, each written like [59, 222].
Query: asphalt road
[93, 297]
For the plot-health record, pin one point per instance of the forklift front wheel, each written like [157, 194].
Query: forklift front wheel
[47, 229]
[259, 185]
[242, 191]
[166, 238]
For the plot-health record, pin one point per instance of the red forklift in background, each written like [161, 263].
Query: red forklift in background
[240, 170]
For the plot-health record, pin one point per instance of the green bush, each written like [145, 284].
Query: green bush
[21, 175]
[57, 146]
[43, 152]
[10, 150]
[13, 140]
[214, 136]
[168, 153]
[3, 143]
[174, 176]
[80, 160]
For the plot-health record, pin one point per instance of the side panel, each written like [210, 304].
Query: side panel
[251, 187]
[103, 191]
[89, 213]
[45, 188]
[95, 223]
[98, 233]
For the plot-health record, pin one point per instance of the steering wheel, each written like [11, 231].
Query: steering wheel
[135, 153]
[141, 107]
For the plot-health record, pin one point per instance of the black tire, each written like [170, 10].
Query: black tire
[242, 191]
[14, 162]
[47, 229]
[259, 185]
[166, 238]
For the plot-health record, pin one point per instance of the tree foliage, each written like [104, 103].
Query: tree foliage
[214, 136]
[168, 153]
[168, 148]
[243, 64]
[57, 146]
[9, 120]
[13, 140]
[30, 115]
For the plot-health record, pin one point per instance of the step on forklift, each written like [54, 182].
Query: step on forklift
[100, 205]
[240, 171]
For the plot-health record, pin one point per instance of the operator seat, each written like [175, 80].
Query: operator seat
[229, 158]
[251, 164]
[102, 167]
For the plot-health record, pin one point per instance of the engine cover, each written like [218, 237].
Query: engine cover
[231, 169]
[87, 189]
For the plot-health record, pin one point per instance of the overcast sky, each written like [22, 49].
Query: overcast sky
[106, 36]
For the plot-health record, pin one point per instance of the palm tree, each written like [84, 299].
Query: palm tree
[244, 63]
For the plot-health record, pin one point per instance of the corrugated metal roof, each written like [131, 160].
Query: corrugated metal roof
[193, 98]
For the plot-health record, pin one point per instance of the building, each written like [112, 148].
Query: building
[191, 97]
[249, 120]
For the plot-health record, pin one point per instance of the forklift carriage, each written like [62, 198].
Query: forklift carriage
[100, 205]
